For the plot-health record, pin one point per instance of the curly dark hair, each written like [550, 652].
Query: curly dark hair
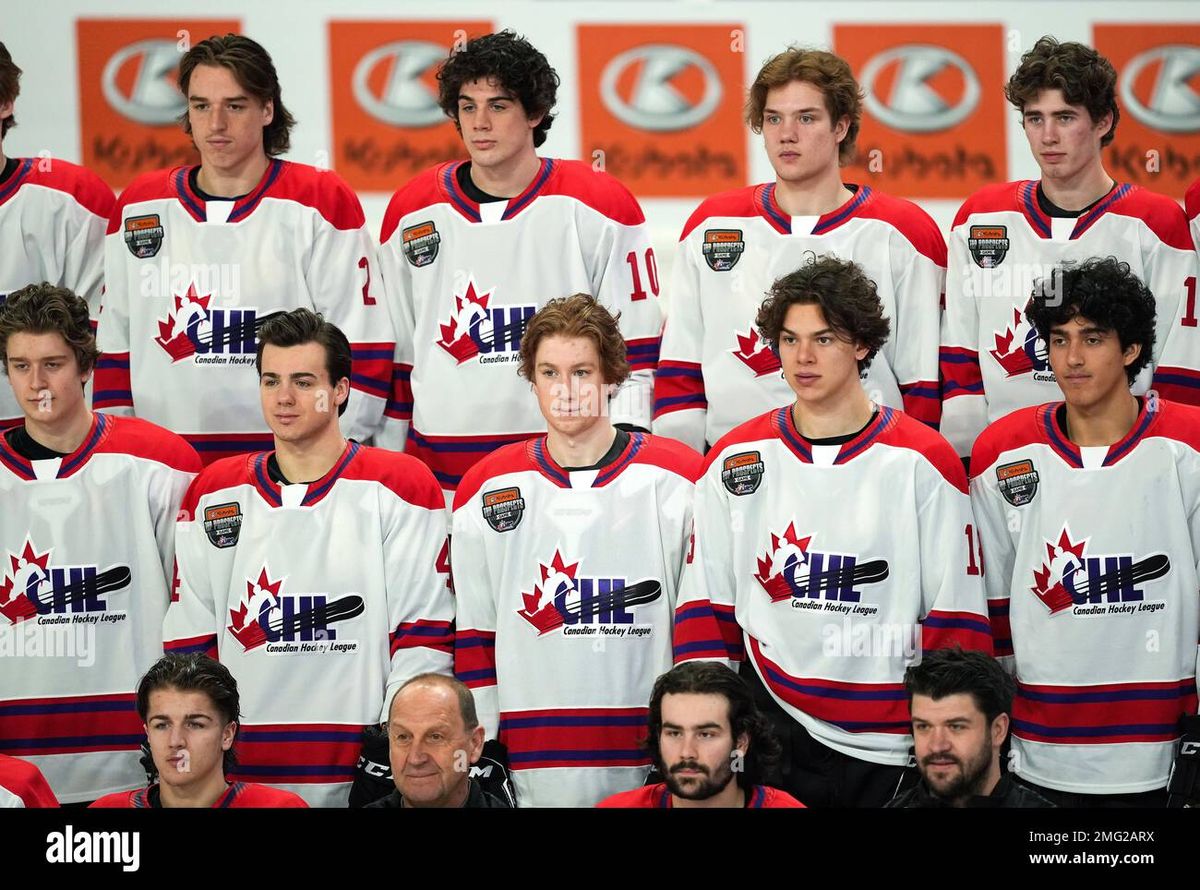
[254, 71]
[1083, 75]
[515, 63]
[46, 309]
[193, 672]
[946, 672]
[1106, 293]
[10, 87]
[847, 297]
[713, 678]
[578, 315]
[828, 73]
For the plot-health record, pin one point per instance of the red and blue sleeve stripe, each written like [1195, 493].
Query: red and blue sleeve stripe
[701, 633]
[214, 446]
[113, 388]
[678, 386]
[1001, 629]
[475, 657]
[400, 402]
[642, 353]
[1178, 384]
[206, 645]
[575, 737]
[298, 753]
[449, 457]
[923, 401]
[1106, 714]
[432, 634]
[70, 725]
[960, 371]
[945, 630]
[371, 368]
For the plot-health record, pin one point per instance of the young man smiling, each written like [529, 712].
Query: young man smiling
[822, 524]
[1087, 511]
[472, 249]
[317, 561]
[568, 552]
[715, 371]
[198, 257]
[1007, 236]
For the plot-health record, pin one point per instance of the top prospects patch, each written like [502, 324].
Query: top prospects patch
[742, 473]
[989, 245]
[722, 248]
[1018, 482]
[420, 243]
[223, 524]
[503, 509]
[143, 235]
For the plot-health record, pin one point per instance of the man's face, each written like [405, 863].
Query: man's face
[431, 750]
[800, 137]
[820, 367]
[493, 123]
[697, 746]
[1063, 138]
[1088, 362]
[188, 736]
[569, 384]
[298, 400]
[227, 122]
[956, 748]
[45, 377]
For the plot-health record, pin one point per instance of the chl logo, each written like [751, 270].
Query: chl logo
[192, 328]
[1019, 350]
[563, 597]
[31, 586]
[1173, 102]
[648, 87]
[405, 99]
[1070, 576]
[790, 567]
[477, 330]
[756, 354]
[154, 98]
[268, 615]
[914, 104]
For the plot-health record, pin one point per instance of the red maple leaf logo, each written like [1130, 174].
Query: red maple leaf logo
[539, 608]
[467, 307]
[172, 330]
[23, 569]
[1048, 581]
[772, 563]
[755, 354]
[1014, 360]
[244, 623]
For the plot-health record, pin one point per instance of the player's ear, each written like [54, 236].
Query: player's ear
[999, 729]
[1131, 352]
[841, 128]
[268, 111]
[475, 747]
[6, 109]
[341, 391]
[228, 734]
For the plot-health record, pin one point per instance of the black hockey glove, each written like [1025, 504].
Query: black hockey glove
[373, 772]
[1183, 787]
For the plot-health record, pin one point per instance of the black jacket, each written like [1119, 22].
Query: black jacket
[1007, 793]
[476, 798]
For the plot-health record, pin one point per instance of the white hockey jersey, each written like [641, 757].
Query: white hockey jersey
[716, 372]
[1091, 583]
[189, 284]
[831, 567]
[464, 279]
[321, 599]
[87, 543]
[52, 220]
[566, 586]
[992, 361]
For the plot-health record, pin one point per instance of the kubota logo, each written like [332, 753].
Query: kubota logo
[661, 87]
[1167, 101]
[139, 82]
[924, 97]
[387, 83]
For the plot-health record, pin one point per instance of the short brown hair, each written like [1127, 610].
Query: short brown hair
[10, 87]
[46, 309]
[1083, 75]
[828, 73]
[255, 73]
[847, 297]
[578, 315]
[302, 326]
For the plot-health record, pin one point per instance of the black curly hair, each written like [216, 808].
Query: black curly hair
[515, 63]
[714, 678]
[1106, 293]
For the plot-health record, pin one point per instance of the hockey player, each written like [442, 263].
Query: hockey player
[709, 742]
[716, 372]
[23, 785]
[198, 257]
[86, 539]
[316, 572]
[190, 708]
[472, 249]
[568, 551]
[1009, 235]
[52, 221]
[834, 541]
[1191, 203]
[1087, 512]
